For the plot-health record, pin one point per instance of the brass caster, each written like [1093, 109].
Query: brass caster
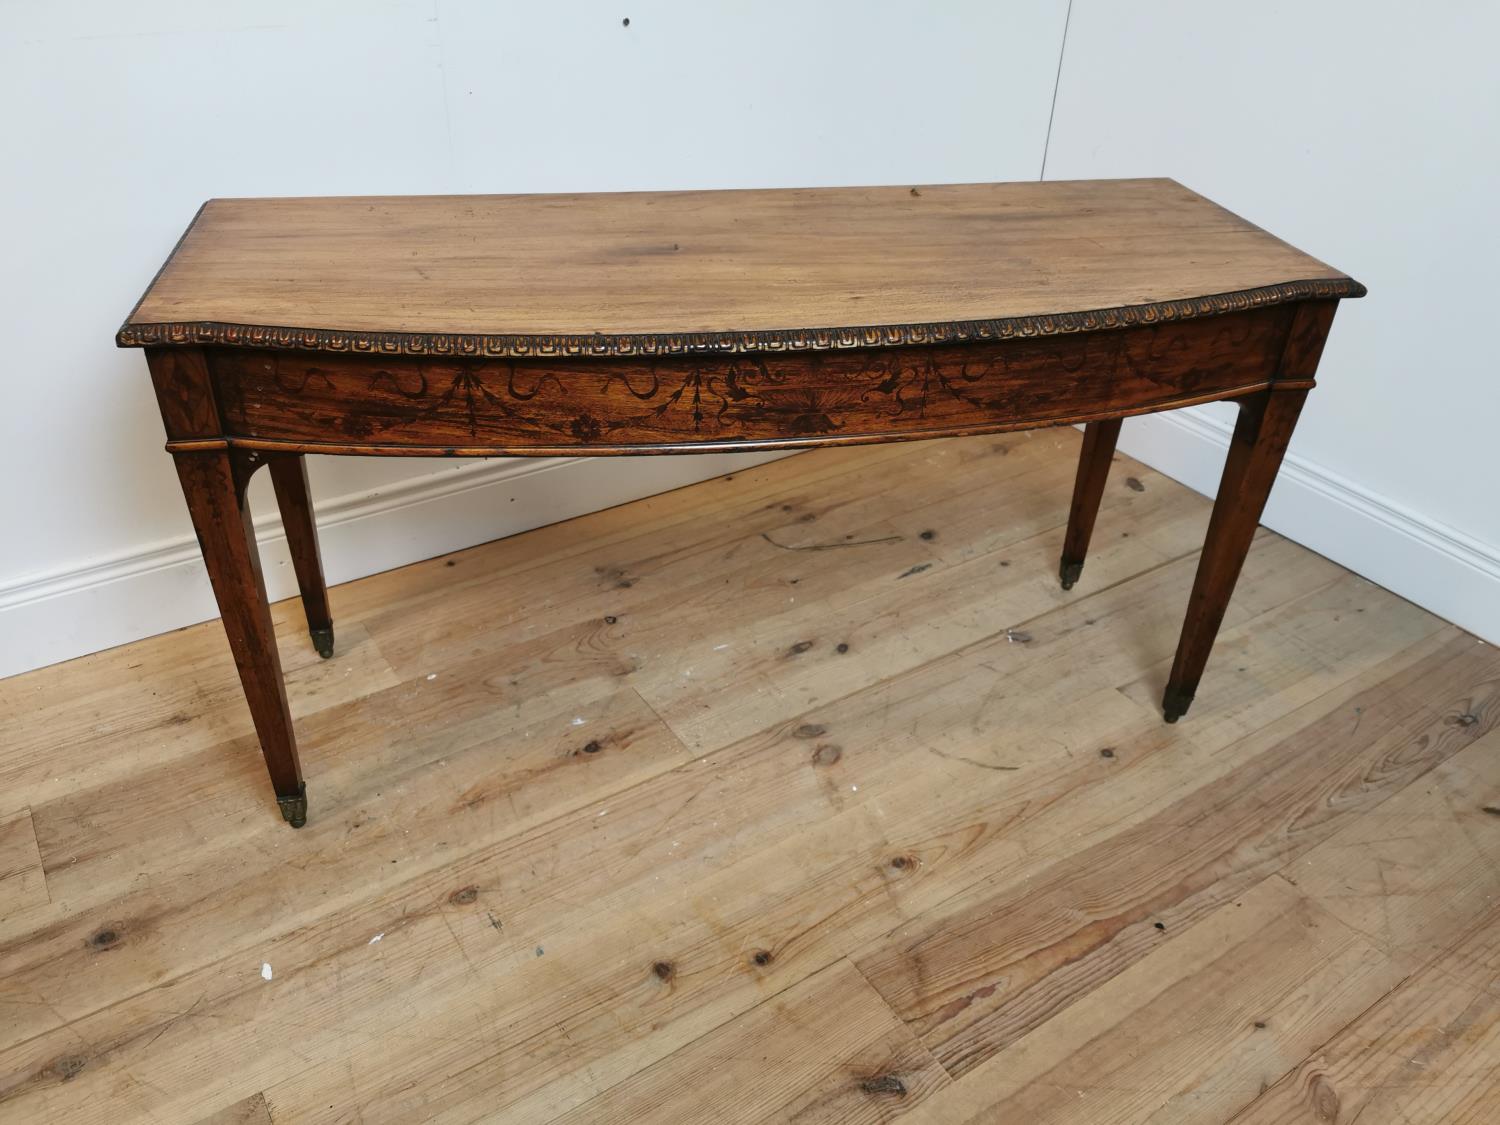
[1069, 573]
[322, 640]
[294, 808]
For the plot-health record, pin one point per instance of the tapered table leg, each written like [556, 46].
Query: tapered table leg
[289, 477]
[1093, 470]
[1260, 439]
[214, 484]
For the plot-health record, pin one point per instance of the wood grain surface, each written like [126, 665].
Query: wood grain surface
[662, 272]
[803, 794]
[516, 406]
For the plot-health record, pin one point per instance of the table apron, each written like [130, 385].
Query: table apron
[394, 405]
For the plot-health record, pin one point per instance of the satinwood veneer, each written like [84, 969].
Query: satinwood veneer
[677, 322]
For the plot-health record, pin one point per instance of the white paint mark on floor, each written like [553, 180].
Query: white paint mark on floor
[265, 970]
[376, 938]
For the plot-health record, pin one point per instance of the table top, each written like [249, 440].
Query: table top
[668, 272]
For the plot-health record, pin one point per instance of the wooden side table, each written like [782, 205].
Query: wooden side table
[690, 322]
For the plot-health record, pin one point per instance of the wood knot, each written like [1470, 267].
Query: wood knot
[904, 862]
[884, 1084]
[825, 754]
[610, 619]
[68, 1066]
[928, 535]
[1467, 719]
[762, 957]
[464, 896]
[107, 938]
[1325, 1099]
[592, 746]
[1107, 752]
[1134, 485]
[664, 970]
[841, 648]
[799, 648]
[1160, 925]
[810, 730]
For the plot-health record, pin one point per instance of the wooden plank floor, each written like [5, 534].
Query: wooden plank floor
[802, 794]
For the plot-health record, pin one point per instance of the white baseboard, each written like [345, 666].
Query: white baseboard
[159, 587]
[162, 586]
[1437, 567]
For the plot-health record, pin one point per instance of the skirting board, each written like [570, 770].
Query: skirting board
[1439, 568]
[52, 617]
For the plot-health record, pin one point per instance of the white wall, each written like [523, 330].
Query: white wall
[1366, 132]
[119, 119]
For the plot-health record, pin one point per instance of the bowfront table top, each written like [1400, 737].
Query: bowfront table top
[666, 322]
[655, 273]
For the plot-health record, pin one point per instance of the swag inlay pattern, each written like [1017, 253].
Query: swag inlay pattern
[317, 397]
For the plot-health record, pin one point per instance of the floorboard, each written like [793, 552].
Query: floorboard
[803, 794]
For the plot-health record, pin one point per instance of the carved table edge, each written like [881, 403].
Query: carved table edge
[213, 333]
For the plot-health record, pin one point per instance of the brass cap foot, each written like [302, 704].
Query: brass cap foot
[1175, 704]
[294, 808]
[1069, 573]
